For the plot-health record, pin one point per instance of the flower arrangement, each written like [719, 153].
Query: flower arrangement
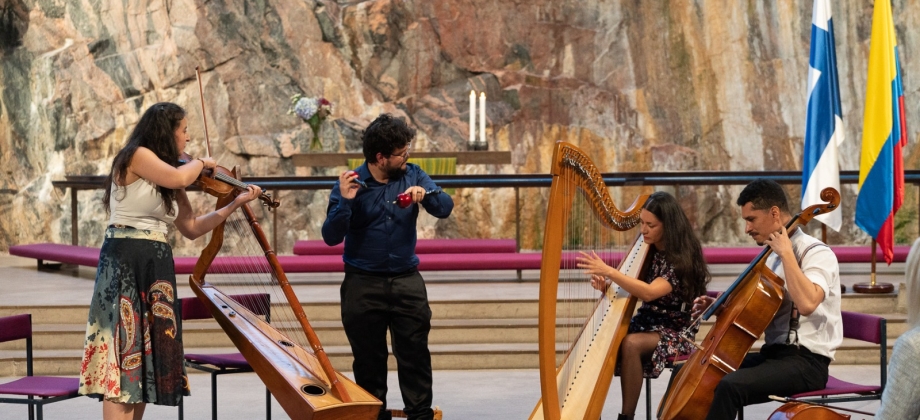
[312, 111]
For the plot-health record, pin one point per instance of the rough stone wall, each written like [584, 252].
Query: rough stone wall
[640, 86]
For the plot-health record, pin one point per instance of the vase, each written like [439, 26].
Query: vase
[316, 144]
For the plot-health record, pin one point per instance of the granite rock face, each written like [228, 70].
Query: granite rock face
[650, 86]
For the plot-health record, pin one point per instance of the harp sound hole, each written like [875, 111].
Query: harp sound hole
[286, 343]
[312, 390]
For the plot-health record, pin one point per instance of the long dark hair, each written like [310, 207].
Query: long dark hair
[681, 247]
[155, 131]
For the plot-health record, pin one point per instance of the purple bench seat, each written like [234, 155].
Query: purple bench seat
[845, 254]
[422, 246]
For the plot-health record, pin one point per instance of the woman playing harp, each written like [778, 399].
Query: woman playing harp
[677, 275]
[579, 333]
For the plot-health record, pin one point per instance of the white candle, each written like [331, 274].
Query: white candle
[472, 117]
[482, 117]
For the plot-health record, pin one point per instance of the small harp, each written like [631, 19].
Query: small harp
[292, 363]
[585, 329]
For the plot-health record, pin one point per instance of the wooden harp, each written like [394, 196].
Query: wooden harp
[297, 371]
[580, 333]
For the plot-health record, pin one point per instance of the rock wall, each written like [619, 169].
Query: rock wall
[641, 86]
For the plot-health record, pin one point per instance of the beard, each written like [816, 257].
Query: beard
[396, 172]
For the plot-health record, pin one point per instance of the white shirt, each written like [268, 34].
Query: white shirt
[822, 331]
[140, 206]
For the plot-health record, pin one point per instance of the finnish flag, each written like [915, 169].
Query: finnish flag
[823, 120]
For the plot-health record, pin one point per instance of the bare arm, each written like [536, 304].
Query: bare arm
[191, 226]
[145, 164]
[595, 266]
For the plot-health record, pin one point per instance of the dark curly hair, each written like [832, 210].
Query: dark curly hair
[764, 194]
[155, 131]
[384, 135]
[681, 247]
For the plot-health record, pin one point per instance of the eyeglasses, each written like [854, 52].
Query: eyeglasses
[405, 156]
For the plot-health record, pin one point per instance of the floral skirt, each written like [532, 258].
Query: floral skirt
[133, 350]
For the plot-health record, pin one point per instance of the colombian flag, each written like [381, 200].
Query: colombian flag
[881, 171]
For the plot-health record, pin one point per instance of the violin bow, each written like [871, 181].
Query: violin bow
[204, 119]
[788, 400]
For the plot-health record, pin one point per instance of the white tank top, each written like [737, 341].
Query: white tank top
[139, 205]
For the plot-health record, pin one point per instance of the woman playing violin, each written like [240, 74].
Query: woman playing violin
[678, 274]
[133, 352]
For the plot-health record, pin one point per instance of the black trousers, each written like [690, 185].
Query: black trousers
[780, 370]
[374, 303]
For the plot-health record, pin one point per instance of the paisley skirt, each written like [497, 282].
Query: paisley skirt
[133, 349]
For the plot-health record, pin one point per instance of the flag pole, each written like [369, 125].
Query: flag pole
[873, 287]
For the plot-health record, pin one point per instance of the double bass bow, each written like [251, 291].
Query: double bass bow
[794, 409]
[748, 307]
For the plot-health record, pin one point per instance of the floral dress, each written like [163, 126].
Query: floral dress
[133, 350]
[667, 315]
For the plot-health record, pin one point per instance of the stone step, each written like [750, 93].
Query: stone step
[207, 333]
[444, 357]
[441, 309]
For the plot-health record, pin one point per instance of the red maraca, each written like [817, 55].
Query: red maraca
[404, 200]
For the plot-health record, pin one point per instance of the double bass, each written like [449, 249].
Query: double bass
[748, 307]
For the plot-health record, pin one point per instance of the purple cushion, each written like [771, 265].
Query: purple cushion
[863, 327]
[42, 386]
[506, 261]
[422, 246]
[226, 361]
[68, 254]
[837, 387]
[845, 254]
[16, 327]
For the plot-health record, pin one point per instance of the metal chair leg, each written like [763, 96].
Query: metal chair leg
[213, 395]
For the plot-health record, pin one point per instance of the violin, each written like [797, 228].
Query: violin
[220, 182]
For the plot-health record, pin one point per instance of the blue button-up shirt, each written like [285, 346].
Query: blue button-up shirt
[379, 236]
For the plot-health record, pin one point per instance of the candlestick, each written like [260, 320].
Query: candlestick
[482, 119]
[472, 119]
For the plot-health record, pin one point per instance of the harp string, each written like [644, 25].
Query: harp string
[244, 269]
[581, 309]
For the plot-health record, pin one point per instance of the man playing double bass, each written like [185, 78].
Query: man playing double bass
[806, 330]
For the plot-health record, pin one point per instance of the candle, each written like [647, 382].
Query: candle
[482, 118]
[472, 118]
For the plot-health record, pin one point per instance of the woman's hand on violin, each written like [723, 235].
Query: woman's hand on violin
[252, 192]
[209, 162]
